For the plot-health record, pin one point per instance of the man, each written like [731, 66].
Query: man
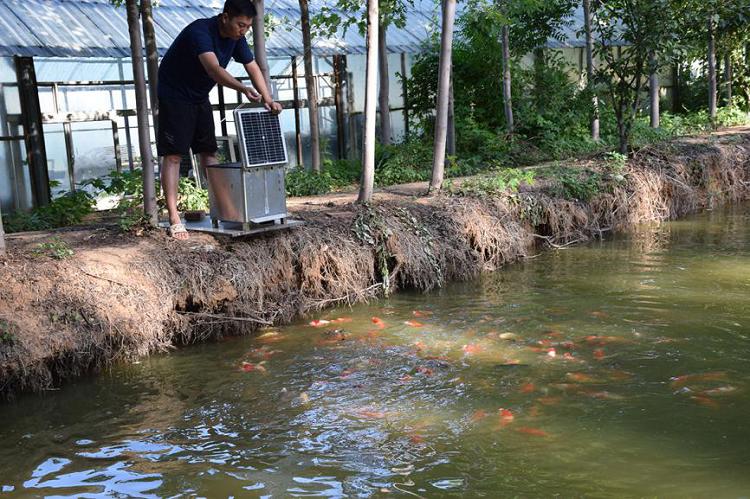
[194, 63]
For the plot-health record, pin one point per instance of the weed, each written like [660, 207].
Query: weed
[7, 333]
[574, 184]
[502, 181]
[55, 248]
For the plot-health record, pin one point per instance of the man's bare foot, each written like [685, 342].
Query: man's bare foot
[179, 232]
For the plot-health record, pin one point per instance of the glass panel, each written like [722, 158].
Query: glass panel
[57, 162]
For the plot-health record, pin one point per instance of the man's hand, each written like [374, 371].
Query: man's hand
[274, 107]
[251, 94]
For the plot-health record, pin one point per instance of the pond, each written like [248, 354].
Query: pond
[615, 369]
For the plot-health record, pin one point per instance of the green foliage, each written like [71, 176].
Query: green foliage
[343, 172]
[576, 184]
[7, 333]
[68, 209]
[301, 182]
[191, 197]
[403, 163]
[506, 180]
[54, 248]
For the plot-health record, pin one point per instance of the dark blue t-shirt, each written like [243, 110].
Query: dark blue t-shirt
[181, 74]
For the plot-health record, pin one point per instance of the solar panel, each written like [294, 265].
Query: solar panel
[261, 140]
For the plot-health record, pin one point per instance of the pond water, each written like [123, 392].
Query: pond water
[615, 369]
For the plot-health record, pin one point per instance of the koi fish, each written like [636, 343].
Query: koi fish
[705, 401]
[471, 349]
[346, 373]
[580, 377]
[603, 340]
[319, 323]
[371, 414]
[532, 431]
[553, 333]
[421, 313]
[406, 378]
[341, 320]
[620, 375]
[416, 439]
[250, 367]
[599, 314]
[599, 354]
[304, 398]
[603, 395]
[506, 416]
[510, 362]
[425, 370]
[378, 322]
[551, 352]
[679, 381]
[414, 324]
[527, 388]
[549, 400]
[478, 415]
[509, 336]
[719, 391]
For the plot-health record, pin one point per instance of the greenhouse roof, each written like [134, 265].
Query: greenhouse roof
[95, 28]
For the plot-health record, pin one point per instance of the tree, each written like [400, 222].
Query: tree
[628, 32]
[368, 152]
[312, 91]
[144, 139]
[344, 14]
[259, 41]
[590, 70]
[443, 99]
[152, 58]
[653, 89]
[507, 99]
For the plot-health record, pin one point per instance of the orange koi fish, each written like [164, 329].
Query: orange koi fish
[471, 349]
[599, 354]
[425, 370]
[341, 320]
[506, 416]
[705, 401]
[414, 324]
[527, 388]
[421, 313]
[580, 377]
[532, 431]
[319, 323]
[478, 415]
[250, 367]
[680, 381]
[720, 391]
[378, 322]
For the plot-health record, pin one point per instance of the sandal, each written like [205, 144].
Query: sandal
[176, 229]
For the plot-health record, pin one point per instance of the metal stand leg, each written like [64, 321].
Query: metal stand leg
[215, 223]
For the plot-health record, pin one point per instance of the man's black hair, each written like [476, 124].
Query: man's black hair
[240, 8]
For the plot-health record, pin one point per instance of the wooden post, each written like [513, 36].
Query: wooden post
[31, 118]
[152, 59]
[338, 71]
[222, 111]
[144, 139]
[116, 142]
[297, 117]
[353, 147]
[2, 235]
[728, 75]
[123, 95]
[69, 154]
[443, 95]
[676, 96]
[384, 96]
[405, 96]
[367, 182]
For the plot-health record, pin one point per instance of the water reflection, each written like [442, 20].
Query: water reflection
[619, 369]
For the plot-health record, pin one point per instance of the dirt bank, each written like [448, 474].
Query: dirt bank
[121, 296]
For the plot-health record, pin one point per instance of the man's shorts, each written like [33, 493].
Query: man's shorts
[184, 126]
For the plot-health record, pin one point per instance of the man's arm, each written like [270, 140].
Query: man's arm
[222, 77]
[259, 82]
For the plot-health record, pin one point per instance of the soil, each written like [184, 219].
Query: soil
[121, 296]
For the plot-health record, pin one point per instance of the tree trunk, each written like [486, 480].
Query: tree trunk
[451, 139]
[711, 72]
[259, 42]
[728, 75]
[312, 90]
[676, 96]
[386, 133]
[507, 101]
[141, 104]
[653, 90]
[538, 76]
[368, 150]
[443, 96]
[2, 235]
[590, 69]
[152, 58]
